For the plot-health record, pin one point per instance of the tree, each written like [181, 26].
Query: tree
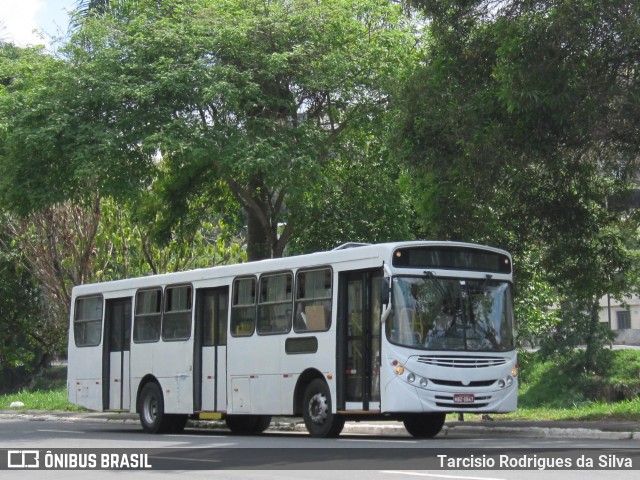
[522, 125]
[44, 255]
[27, 320]
[251, 98]
[360, 198]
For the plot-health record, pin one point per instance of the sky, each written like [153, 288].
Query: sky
[19, 19]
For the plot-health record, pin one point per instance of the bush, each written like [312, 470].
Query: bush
[563, 382]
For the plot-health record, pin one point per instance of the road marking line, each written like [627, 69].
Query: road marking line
[438, 475]
[375, 440]
[60, 431]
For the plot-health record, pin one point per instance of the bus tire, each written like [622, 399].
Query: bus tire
[424, 425]
[151, 408]
[316, 411]
[247, 424]
[262, 423]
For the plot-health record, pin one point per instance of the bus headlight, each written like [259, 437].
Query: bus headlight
[410, 377]
[505, 382]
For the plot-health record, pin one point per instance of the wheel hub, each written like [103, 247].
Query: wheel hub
[318, 408]
[150, 408]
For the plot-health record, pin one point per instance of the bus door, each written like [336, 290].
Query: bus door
[116, 392]
[359, 341]
[210, 362]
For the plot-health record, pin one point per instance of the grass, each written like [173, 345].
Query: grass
[48, 391]
[549, 390]
[628, 410]
[39, 400]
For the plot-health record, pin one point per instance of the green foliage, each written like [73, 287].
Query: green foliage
[51, 378]
[607, 411]
[519, 128]
[241, 98]
[127, 244]
[563, 382]
[51, 400]
[29, 336]
[534, 299]
[360, 198]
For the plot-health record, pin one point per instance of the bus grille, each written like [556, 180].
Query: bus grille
[455, 383]
[461, 362]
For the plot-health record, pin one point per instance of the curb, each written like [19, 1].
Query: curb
[355, 428]
[529, 432]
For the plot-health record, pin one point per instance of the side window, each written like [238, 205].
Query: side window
[146, 324]
[313, 301]
[87, 322]
[176, 324]
[274, 307]
[243, 309]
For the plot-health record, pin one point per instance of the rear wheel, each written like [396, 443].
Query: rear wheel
[316, 411]
[424, 425]
[248, 424]
[151, 408]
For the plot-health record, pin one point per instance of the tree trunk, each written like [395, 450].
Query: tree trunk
[593, 341]
[259, 220]
[258, 241]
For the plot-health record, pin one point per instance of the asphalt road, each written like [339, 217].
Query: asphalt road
[216, 453]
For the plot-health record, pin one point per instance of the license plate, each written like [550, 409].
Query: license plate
[464, 398]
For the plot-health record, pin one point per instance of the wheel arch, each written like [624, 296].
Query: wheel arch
[149, 378]
[305, 379]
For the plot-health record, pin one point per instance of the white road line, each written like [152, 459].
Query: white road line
[375, 440]
[438, 475]
[60, 431]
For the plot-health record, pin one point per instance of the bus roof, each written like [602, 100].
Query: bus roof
[349, 252]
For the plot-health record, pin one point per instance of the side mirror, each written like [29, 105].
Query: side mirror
[386, 290]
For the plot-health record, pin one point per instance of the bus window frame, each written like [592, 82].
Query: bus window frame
[232, 325]
[85, 322]
[328, 299]
[166, 313]
[260, 303]
[137, 315]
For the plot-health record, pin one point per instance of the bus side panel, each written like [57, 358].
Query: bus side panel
[254, 376]
[84, 376]
[141, 366]
[173, 366]
[294, 364]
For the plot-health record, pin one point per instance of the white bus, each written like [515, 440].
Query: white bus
[405, 331]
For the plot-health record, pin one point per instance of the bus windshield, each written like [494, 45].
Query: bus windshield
[451, 314]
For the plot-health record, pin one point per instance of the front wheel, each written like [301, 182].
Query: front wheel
[316, 411]
[424, 425]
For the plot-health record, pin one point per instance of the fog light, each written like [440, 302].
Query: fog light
[411, 378]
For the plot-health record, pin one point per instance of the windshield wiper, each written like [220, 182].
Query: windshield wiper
[431, 276]
[448, 302]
